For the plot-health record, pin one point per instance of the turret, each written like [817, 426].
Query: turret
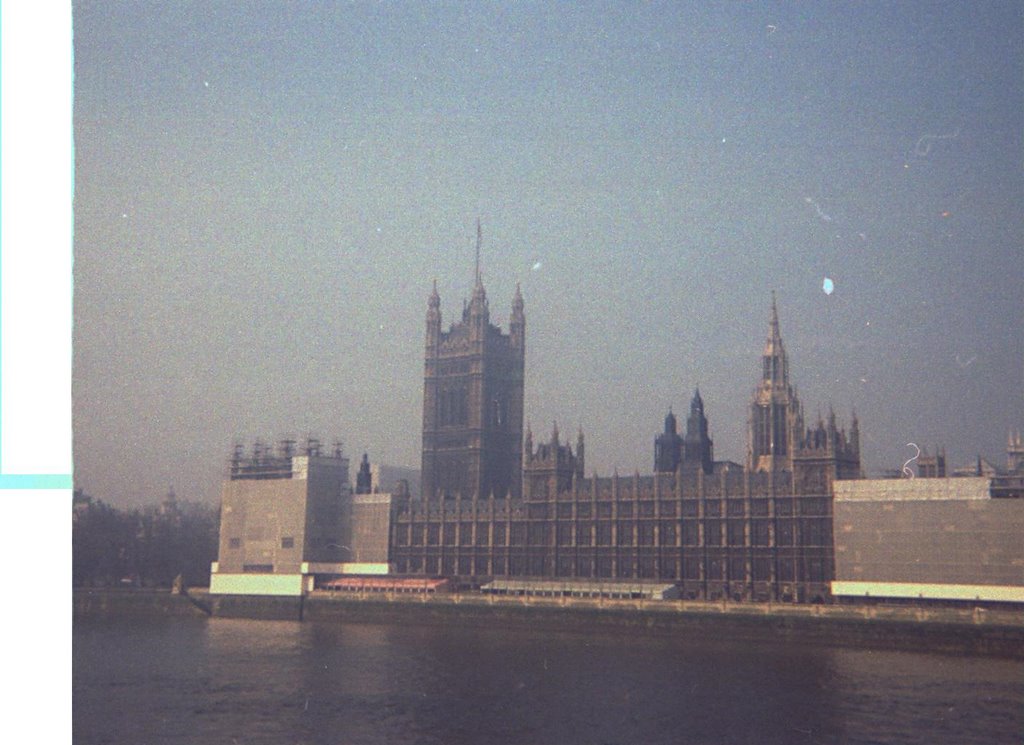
[579, 454]
[517, 321]
[433, 318]
[364, 480]
[668, 446]
[698, 449]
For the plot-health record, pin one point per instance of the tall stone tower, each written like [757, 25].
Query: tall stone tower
[473, 400]
[776, 418]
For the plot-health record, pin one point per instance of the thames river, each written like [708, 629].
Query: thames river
[172, 680]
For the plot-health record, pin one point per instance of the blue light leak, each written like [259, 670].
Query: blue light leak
[828, 286]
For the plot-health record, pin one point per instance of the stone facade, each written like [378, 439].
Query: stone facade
[718, 529]
[473, 402]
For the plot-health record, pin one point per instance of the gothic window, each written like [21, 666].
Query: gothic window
[538, 534]
[713, 533]
[784, 533]
[499, 563]
[759, 533]
[583, 534]
[536, 566]
[815, 570]
[645, 534]
[668, 568]
[785, 570]
[517, 565]
[779, 431]
[538, 511]
[625, 533]
[481, 535]
[450, 530]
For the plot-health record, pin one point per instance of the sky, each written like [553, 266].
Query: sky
[265, 193]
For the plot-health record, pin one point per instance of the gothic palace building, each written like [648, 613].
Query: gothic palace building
[495, 505]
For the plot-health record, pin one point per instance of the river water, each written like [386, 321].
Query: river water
[234, 681]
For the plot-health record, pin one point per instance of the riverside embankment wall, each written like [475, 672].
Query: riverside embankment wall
[948, 630]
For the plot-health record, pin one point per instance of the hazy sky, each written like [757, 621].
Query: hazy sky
[264, 193]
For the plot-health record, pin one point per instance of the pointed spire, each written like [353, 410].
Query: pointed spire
[479, 241]
[554, 435]
[478, 303]
[774, 344]
[773, 360]
[697, 404]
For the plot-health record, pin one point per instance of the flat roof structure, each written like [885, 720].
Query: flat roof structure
[581, 588]
[387, 584]
[939, 539]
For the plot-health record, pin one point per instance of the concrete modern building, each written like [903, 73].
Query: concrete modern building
[934, 539]
[285, 517]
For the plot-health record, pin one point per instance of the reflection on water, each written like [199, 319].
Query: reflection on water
[241, 681]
